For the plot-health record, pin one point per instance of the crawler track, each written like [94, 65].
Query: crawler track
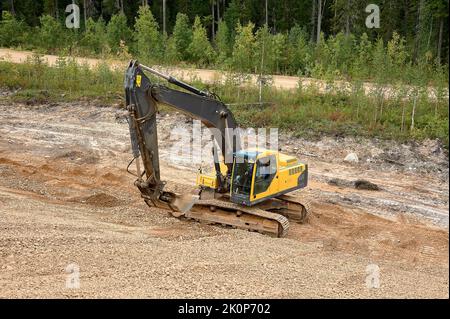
[217, 211]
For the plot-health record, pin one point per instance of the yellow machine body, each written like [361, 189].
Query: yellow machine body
[210, 180]
[260, 174]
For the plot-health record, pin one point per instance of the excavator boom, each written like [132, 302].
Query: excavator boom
[142, 98]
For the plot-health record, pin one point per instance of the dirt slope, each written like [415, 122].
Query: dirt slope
[65, 197]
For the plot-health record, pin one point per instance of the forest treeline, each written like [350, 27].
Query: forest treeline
[317, 38]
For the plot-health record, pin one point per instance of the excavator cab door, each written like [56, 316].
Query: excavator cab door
[242, 177]
[265, 183]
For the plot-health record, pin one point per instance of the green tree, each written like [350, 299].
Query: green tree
[243, 58]
[50, 7]
[379, 61]
[269, 52]
[223, 42]
[278, 51]
[348, 15]
[200, 50]
[182, 36]
[111, 7]
[396, 52]
[147, 37]
[232, 16]
[439, 11]
[171, 53]
[341, 54]
[94, 39]
[299, 53]
[117, 31]
[322, 57]
[11, 30]
[51, 34]
[263, 54]
[361, 65]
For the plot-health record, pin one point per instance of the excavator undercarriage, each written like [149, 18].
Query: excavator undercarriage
[263, 207]
[270, 218]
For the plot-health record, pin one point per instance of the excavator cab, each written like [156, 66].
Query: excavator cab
[262, 174]
[258, 175]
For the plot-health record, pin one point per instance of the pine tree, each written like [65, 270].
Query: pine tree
[299, 52]
[51, 34]
[347, 15]
[361, 65]
[50, 8]
[223, 42]
[341, 53]
[147, 37]
[171, 54]
[200, 50]
[243, 59]
[379, 61]
[182, 36]
[94, 38]
[396, 51]
[117, 31]
[11, 30]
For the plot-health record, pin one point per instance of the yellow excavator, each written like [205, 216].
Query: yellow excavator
[249, 187]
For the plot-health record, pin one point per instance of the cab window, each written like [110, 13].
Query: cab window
[266, 170]
[242, 175]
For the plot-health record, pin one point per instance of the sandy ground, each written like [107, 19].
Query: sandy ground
[65, 198]
[215, 76]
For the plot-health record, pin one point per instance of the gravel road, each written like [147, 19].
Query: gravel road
[282, 82]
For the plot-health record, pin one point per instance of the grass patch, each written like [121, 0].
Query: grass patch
[67, 81]
[303, 112]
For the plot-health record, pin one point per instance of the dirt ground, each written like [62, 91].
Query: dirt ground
[66, 198]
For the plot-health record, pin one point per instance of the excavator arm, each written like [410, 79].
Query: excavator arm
[142, 100]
